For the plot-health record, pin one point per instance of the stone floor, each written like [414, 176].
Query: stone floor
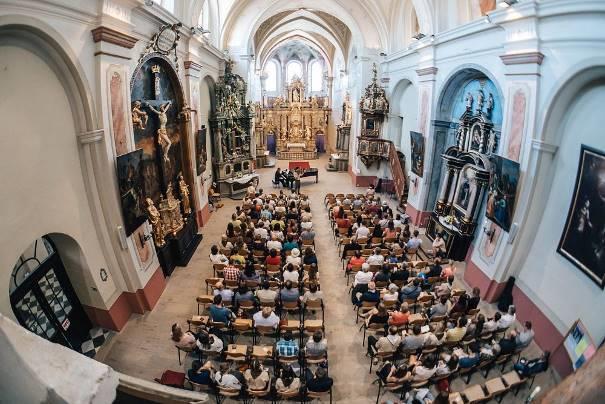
[143, 348]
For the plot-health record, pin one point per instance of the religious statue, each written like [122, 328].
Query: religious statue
[157, 227]
[185, 113]
[163, 138]
[490, 102]
[480, 100]
[314, 102]
[184, 190]
[309, 134]
[139, 117]
[296, 96]
[469, 100]
[347, 113]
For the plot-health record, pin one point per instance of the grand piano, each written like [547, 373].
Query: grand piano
[307, 170]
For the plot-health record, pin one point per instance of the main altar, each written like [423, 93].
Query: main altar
[294, 127]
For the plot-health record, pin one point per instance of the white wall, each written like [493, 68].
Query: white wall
[42, 185]
[560, 289]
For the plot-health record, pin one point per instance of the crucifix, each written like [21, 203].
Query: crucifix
[159, 107]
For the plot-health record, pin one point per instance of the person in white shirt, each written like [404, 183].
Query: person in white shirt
[266, 318]
[225, 379]
[261, 231]
[226, 293]
[370, 191]
[210, 342]
[397, 223]
[363, 277]
[306, 224]
[391, 294]
[438, 245]
[274, 243]
[216, 257]
[306, 214]
[362, 231]
[291, 274]
[294, 258]
[509, 318]
[376, 258]
[525, 336]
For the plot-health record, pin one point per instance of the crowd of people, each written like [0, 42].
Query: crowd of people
[422, 329]
[266, 271]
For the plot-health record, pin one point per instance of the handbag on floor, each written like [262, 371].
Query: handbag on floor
[172, 379]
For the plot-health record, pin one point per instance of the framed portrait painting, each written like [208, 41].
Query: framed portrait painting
[583, 238]
[502, 191]
[417, 154]
[130, 182]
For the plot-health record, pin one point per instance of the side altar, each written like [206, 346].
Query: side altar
[294, 127]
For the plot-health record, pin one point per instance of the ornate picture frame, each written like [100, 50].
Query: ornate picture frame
[583, 238]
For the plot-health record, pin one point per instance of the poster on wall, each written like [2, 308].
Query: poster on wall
[130, 183]
[583, 238]
[579, 345]
[502, 191]
[200, 150]
[417, 148]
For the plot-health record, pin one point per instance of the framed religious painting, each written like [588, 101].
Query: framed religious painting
[130, 183]
[583, 238]
[502, 191]
[417, 149]
[200, 150]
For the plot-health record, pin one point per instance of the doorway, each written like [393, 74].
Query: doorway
[43, 298]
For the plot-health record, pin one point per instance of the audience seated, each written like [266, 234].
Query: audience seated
[257, 378]
[318, 381]
[316, 345]
[287, 382]
[286, 346]
[228, 378]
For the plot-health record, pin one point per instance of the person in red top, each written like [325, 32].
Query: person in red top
[357, 259]
[274, 258]
[231, 272]
[343, 222]
[399, 318]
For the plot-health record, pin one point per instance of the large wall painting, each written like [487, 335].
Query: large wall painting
[130, 182]
[417, 153]
[200, 150]
[502, 191]
[583, 238]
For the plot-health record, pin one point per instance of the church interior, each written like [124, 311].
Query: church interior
[391, 201]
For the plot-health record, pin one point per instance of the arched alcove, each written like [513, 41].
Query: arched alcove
[404, 116]
[450, 107]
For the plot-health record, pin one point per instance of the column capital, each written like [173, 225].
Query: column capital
[93, 136]
[522, 58]
[544, 147]
[110, 35]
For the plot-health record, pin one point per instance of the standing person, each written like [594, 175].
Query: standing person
[297, 174]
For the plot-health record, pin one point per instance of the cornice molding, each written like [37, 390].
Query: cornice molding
[543, 146]
[93, 136]
[191, 65]
[427, 71]
[106, 34]
[522, 58]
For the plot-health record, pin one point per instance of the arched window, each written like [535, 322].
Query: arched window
[167, 4]
[271, 73]
[294, 68]
[316, 76]
[204, 20]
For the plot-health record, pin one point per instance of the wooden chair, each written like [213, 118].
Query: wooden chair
[363, 309]
[218, 270]
[314, 305]
[211, 283]
[381, 356]
[512, 380]
[260, 394]
[496, 389]
[412, 253]
[392, 387]
[261, 331]
[374, 328]
[204, 300]
[290, 396]
[186, 350]
[225, 393]
[243, 328]
[316, 395]
[475, 394]
[290, 307]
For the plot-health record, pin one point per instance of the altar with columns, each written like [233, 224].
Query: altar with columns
[293, 127]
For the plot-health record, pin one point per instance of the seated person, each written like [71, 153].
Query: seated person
[378, 315]
[294, 258]
[376, 258]
[201, 373]
[309, 257]
[225, 293]
[291, 274]
[290, 244]
[508, 344]
[266, 318]
[274, 258]
[265, 294]
[319, 381]
[411, 291]
[351, 246]
[401, 317]
[391, 294]
[370, 295]
[414, 340]
[492, 323]
[445, 367]
[312, 294]
[384, 275]
[424, 369]
[448, 270]
[243, 294]
[507, 319]
[445, 288]
[356, 260]
[363, 277]
[473, 302]
[249, 273]
[286, 346]
[219, 313]
[274, 244]
[440, 308]
[526, 368]
[401, 274]
[307, 235]
[257, 378]
[231, 272]
[289, 293]
[415, 241]
[438, 245]
[470, 360]
[227, 378]
[457, 333]
[461, 306]
[434, 270]
[316, 345]
[216, 257]
[210, 342]
[388, 343]
[183, 340]
[525, 336]
[287, 382]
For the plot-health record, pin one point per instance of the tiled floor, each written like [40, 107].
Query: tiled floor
[98, 337]
[143, 348]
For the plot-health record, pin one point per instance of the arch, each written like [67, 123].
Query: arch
[53, 54]
[294, 68]
[449, 107]
[404, 115]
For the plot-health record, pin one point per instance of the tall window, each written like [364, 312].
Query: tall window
[204, 19]
[294, 68]
[167, 4]
[316, 75]
[271, 73]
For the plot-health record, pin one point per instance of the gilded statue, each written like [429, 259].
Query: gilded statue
[314, 102]
[156, 223]
[184, 189]
[139, 117]
[162, 133]
[308, 133]
[185, 113]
